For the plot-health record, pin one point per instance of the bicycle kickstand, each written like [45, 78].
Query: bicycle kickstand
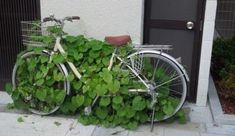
[152, 119]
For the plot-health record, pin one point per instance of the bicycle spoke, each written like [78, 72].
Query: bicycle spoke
[171, 90]
[170, 80]
[154, 72]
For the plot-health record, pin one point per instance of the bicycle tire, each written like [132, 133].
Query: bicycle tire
[164, 59]
[62, 69]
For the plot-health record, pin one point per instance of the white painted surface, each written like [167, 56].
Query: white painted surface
[207, 38]
[99, 17]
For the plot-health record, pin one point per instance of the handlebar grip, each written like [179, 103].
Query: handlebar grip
[75, 17]
[46, 19]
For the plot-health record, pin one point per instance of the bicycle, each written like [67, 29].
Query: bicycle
[158, 72]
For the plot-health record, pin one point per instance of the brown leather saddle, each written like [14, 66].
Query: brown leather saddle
[118, 41]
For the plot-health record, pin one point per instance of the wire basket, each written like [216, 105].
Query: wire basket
[34, 33]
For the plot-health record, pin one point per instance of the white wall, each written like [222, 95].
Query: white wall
[99, 17]
[205, 61]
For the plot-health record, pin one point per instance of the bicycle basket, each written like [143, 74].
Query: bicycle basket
[34, 33]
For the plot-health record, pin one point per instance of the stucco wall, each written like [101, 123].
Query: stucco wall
[99, 17]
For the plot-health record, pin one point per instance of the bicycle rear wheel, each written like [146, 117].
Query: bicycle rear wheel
[164, 76]
[41, 85]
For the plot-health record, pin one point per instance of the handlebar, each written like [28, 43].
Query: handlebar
[75, 18]
[47, 19]
[61, 21]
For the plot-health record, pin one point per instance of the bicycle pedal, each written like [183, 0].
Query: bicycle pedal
[87, 110]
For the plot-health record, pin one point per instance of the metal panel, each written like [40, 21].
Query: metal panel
[11, 13]
[187, 10]
[166, 21]
[225, 18]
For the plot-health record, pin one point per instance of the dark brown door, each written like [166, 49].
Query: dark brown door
[11, 13]
[178, 23]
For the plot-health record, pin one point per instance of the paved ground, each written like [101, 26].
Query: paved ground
[17, 123]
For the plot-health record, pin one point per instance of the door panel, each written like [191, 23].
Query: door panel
[166, 23]
[174, 37]
[169, 9]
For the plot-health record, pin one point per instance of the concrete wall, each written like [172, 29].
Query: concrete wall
[99, 17]
[205, 61]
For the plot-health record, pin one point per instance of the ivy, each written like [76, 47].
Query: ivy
[44, 83]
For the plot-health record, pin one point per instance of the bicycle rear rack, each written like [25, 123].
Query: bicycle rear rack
[158, 47]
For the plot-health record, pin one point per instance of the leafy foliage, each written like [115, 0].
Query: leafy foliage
[223, 62]
[40, 85]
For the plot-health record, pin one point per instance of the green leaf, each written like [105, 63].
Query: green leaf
[38, 50]
[57, 58]
[15, 95]
[40, 82]
[19, 62]
[70, 77]
[168, 108]
[130, 112]
[85, 88]
[59, 97]
[8, 88]
[125, 81]
[117, 100]
[96, 46]
[106, 75]
[104, 101]
[58, 76]
[70, 39]
[44, 59]
[101, 112]
[132, 125]
[41, 94]
[20, 119]
[101, 89]
[78, 100]
[84, 120]
[121, 112]
[77, 85]
[105, 61]
[115, 86]
[94, 54]
[138, 103]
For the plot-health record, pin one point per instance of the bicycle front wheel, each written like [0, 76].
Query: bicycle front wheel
[164, 76]
[40, 85]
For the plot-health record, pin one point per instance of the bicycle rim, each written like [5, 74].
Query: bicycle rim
[18, 78]
[160, 72]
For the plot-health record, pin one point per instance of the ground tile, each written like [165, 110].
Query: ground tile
[118, 131]
[144, 130]
[77, 129]
[33, 125]
[178, 132]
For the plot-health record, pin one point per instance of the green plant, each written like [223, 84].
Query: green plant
[116, 106]
[223, 62]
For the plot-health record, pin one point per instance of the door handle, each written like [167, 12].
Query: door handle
[190, 25]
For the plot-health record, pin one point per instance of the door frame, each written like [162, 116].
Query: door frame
[170, 24]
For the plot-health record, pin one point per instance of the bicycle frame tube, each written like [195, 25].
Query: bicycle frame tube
[61, 50]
